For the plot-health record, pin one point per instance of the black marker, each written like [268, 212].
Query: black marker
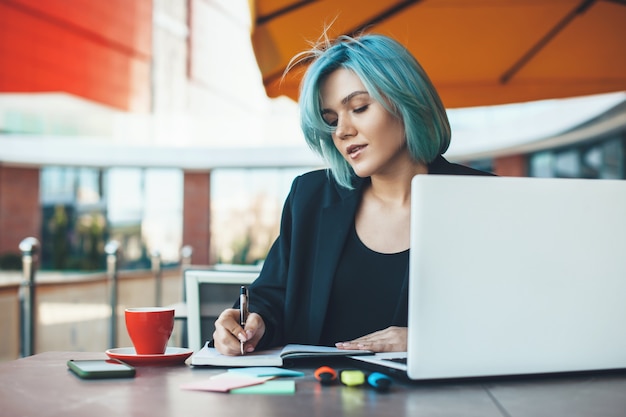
[243, 310]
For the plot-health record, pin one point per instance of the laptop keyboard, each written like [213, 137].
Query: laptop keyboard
[396, 360]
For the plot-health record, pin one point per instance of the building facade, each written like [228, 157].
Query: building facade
[114, 115]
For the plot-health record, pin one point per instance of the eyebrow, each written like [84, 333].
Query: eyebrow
[352, 95]
[347, 99]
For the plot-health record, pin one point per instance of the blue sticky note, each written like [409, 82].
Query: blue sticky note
[266, 371]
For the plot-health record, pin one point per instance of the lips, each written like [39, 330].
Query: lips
[354, 150]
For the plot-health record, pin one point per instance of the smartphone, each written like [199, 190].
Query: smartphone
[101, 368]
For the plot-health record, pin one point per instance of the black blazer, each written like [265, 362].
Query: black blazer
[293, 288]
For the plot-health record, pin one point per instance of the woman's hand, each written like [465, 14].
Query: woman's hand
[229, 334]
[391, 339]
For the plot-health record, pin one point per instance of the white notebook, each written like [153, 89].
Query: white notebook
[208, 356]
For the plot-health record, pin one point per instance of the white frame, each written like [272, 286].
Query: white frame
[193, 279]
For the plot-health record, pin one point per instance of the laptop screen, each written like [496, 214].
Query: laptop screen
[516, 276]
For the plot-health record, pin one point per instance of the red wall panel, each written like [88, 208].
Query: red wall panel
[511, 166]
[98, 50]
[20, 214]
[196, 215]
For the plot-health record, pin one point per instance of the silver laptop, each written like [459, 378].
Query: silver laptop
[514, 276]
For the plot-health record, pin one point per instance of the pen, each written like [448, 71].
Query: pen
[243, 309]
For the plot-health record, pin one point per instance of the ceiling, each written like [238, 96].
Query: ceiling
[477, 52]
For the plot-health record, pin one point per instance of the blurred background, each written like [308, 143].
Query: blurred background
[166, 126]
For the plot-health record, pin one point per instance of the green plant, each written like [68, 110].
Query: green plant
[10, 261]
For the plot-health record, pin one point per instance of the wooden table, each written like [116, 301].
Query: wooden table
[41, 385]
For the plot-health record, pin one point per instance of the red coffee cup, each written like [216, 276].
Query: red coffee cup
[149, 328]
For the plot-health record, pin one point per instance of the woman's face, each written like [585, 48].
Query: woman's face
[370, 138]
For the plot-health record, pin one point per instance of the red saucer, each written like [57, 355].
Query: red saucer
[172, 356]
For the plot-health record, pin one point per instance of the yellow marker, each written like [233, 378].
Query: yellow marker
[352, 378]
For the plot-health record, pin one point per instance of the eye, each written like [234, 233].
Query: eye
[361, 109]
[330, 119]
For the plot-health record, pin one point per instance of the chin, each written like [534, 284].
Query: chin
[361, 171]
[361, 174]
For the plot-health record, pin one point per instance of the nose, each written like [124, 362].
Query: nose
[345, 129]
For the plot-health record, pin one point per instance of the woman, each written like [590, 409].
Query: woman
[338, 272]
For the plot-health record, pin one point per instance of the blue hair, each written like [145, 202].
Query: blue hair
[393, 77]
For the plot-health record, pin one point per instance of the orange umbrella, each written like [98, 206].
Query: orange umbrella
[477, 52]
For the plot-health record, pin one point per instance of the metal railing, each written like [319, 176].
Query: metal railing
[29, 248]
[185, 256]
[158, 278]
[112, 250]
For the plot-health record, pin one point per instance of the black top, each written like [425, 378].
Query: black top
[292, 292]
[366, 284]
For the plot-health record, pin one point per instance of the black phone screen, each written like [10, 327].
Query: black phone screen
[101, 368]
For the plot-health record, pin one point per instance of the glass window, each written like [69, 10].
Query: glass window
[613, 158]
[88, 189]
[162, 220]
[73, 218]
[592, 161]
[604, 158]
[83, 208]
[482, 164]
[246, 206]
[567, 164]
[124, 196]
[541, 165]
[57, 185]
